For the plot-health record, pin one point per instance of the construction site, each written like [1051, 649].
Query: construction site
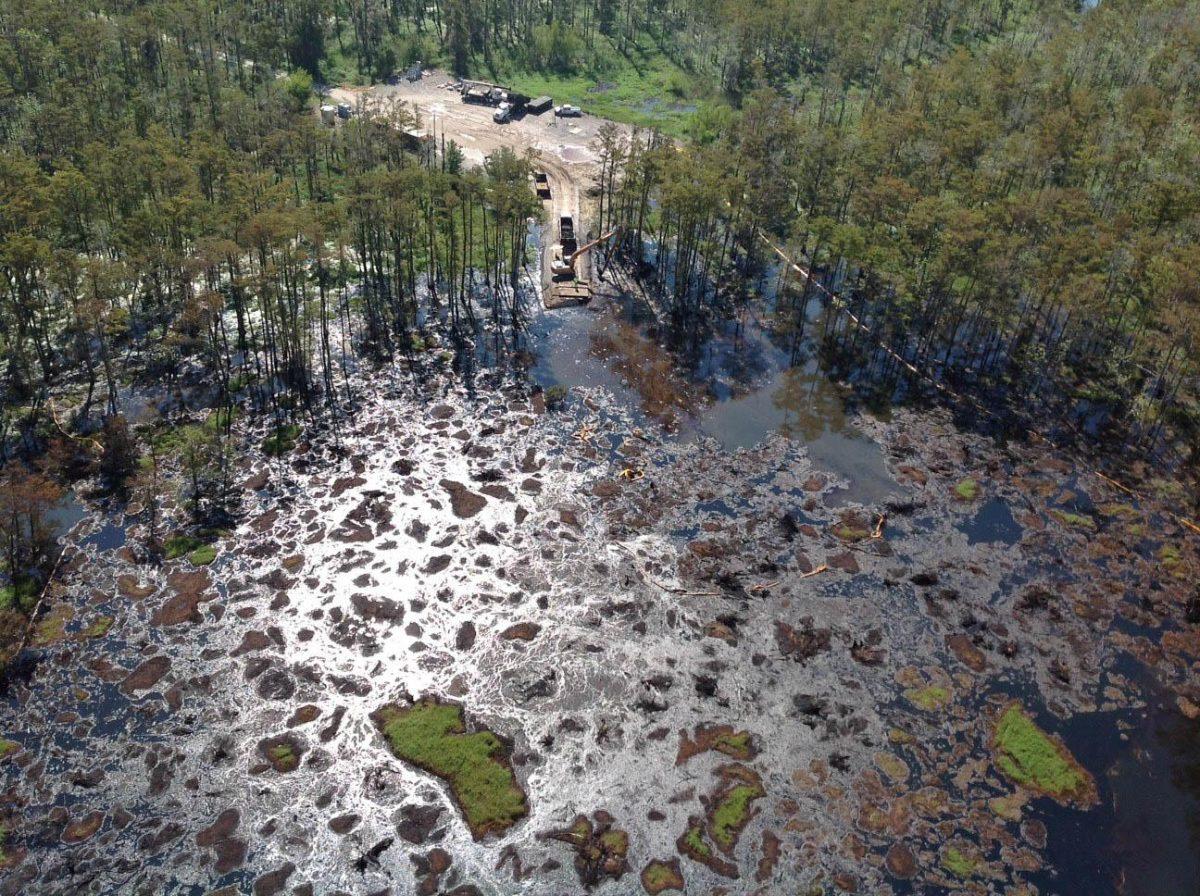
[481, 118]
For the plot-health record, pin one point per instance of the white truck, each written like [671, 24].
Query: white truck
[503, 113]
[568, 111]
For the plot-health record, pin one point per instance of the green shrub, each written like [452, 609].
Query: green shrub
[282, 441]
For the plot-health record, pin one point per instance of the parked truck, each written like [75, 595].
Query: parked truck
[479, 95]
[539, 105]
[541, 184]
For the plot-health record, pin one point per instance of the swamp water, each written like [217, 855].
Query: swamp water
[596, 622]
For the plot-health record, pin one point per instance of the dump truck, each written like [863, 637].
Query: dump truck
[539, 105]
[480, 95]
[541, 184]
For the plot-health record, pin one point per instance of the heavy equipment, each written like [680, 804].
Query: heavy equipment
[562, 264]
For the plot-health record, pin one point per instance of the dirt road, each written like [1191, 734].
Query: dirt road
[563, 147]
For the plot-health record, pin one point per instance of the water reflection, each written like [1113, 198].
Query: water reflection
[741, 388]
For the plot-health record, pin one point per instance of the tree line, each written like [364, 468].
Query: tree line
[1000, 193]
[1021, 216]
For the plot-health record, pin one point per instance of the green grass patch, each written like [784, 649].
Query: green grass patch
[1033, 759]
[52, 627]
[644, 86]
[203, 555]
[930, 699]
[967, 490]
[1074, 520]
[615, 841]
[8, 748]
[958, 863]
[178, 545]
[693, 839]
[283, 756]
[739, 745]
[730, 815]
[1170, 556]
[282, 441]
[98, 628]
[847, 531]
[432, 736]
[659, 876]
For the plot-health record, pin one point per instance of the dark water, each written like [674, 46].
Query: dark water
[1144, 837]
[736, 407]
[68, 513]
[993, 522]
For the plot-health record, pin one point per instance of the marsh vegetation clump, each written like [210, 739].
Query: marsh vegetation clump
[1036, 760]
[433, 736]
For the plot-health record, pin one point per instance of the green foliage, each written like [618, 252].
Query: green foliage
[739, 745]
[282, 441]
[967, 490]
[1031, 758]
[433, 737]
[203, 555]
[732, 812]
[973, 159]
[554, 47]
[298, 85]
[1075, 520]
[930, 699]
[178, 545]
[51, 627]
[20, 595]
[283, 756]
[1170, 556]
[694, 839]
[659, 876]
[98, 628]
[957, 862]
[8, 748]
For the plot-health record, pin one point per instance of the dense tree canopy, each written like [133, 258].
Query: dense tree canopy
[990, 187]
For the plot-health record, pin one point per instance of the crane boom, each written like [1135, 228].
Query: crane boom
[567, 264]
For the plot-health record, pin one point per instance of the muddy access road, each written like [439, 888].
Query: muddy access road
[562, 147]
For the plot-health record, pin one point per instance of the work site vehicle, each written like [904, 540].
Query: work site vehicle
[503, 113]
[566, 235]
[541, 184]
[563, 265]
[568, 111]
[539, 105]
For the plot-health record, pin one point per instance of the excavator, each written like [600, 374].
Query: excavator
[564, 266]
